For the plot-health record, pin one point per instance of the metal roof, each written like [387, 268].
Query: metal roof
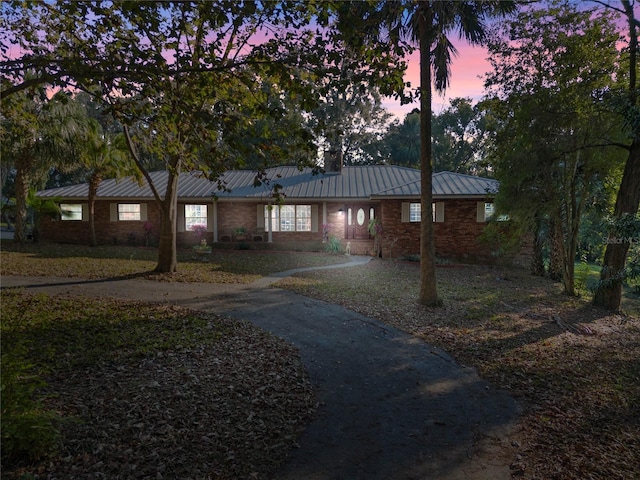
[446, 184]
[361, 182]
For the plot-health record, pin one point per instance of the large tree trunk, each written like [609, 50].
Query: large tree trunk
[428, 290]
[537, 260]
[23, 167]
[167, 251]
[167, 248]
[555, 241]
[609, 292]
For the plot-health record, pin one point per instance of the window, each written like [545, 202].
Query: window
[70, 211]
[411, 212]
[129, 211]
[288, 218]
[486, 211]
[195, 215]
[414, 212]
[489, 210]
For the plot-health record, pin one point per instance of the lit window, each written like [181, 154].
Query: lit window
[128, 211]
[490, 213]
[303, 218]
[288, 218]
[489, 210]
[414, 212]
[69, 211]
[195, 215]
[437, 212]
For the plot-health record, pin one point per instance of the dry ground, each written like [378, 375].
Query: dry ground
[575, 369]
[145, 391]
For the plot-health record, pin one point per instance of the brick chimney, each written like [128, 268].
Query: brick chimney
[333, 161]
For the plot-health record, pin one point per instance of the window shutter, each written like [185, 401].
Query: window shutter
[260, 216]
[480, 212]
[406, 206]
[113, 212]
[314, 218]
[85, 212]
[143, 212]
[181, 221]
[439, 212]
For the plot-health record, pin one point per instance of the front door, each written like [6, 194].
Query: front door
[357, 221]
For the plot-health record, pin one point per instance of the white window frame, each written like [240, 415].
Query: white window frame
[486, 211]
[412, 212]
[288, 218]
[129, 212]
[198, 215]
[415, 212]
[70, 212]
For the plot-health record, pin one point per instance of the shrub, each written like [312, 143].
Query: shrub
[334, 245]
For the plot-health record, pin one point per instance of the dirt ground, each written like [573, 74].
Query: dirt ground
[394, 405]
[389, 405]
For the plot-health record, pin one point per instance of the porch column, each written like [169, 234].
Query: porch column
[270, 229]
[215, 221]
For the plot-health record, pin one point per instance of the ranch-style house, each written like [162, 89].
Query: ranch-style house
[337, 205]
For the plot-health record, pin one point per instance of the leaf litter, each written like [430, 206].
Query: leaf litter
[181, 395]
[574, 368]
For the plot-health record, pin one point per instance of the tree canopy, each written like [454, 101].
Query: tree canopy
[550, 143]
[189, 80]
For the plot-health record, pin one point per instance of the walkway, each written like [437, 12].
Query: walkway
[391, 406]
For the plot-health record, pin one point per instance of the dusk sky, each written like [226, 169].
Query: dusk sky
[466, 70]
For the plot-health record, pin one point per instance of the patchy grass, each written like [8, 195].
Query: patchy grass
[222, 266]
[586, 277]
[129, 390]
[574, 368]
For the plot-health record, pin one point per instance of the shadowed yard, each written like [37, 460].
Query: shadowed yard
[574, 368]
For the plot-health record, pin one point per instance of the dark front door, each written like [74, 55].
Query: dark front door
[357, 221]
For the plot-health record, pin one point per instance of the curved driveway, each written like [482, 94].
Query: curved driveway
[391, 406]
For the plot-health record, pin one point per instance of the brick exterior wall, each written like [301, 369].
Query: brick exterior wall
[107, 232]
[457, 238]
[398, 237]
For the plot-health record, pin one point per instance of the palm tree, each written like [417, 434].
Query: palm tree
[37, 135]
[429, 24]
[104, 156]
[41, 208]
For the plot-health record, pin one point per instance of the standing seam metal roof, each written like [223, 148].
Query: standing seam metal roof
[361, 182]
